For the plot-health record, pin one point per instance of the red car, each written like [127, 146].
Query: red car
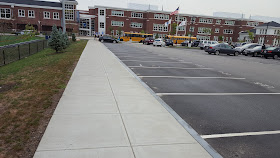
[148, 40]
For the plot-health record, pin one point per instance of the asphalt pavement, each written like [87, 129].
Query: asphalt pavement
[230, 101]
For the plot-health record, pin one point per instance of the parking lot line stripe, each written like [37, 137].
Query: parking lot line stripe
[178, 94]
[194, 68]
[239, 134]
[183, 77]
[159, 61]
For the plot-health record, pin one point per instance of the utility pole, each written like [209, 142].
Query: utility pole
[265, 32]
[63, 16]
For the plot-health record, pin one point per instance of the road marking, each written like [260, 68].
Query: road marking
[213, 94]
[139, 57]
[158, 61]
[231, 78]
[264, 85]
[225, 73]
[239, 134]
[146, 67]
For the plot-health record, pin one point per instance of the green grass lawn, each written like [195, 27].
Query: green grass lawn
[30, 90]
[6, 40]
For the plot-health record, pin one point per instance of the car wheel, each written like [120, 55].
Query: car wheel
[275, 56]
[114, 42]
[236, 53]
[217, 52]
[201, 48]
[255, 54]
[153, 45]
[209, 53]
[102, 41]
[265, 57]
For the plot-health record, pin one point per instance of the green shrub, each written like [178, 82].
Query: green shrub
[73, 37]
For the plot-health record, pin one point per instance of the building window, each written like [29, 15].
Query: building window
[56, 15]
[217, 30]
[229, 22]
[102, 12]
[136, 25]
[181, 28]
[84, 23]
[21, 13]
[228, 31]
[180, 18]
[252, 24]
[160, 28]
[216, 38]
[31, 14]
[69, 12]
[102, 25]
[161, 16]
[117, 23]
[192, 29]
[204, 30]
[117, 13]
[218, 21]
[193, 19]
[206, 21]
[137, 15]
[5, 13]
[203, 38]
[47, 15]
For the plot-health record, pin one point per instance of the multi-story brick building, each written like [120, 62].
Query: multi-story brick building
[268, 33]
[107, 20]
[41, 14]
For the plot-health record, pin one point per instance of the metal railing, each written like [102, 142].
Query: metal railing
[14, 52]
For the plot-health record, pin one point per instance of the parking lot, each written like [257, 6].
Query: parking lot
[230, 101]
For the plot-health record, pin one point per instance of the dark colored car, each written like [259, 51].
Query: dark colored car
[253, 51]
[195, 43]
[271, 52]
[185, 43]
[148, 40]
[168, 42]
[221, 48]
[107, 39]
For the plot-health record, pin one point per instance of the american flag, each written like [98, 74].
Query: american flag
[175, 12]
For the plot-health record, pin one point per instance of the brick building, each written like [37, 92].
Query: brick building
[107, 20]
[41, 14]
[268, 33]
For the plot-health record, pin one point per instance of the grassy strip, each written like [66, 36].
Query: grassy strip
[30, 90]
[6, 40]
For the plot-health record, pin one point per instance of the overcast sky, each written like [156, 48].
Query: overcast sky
[201, 7]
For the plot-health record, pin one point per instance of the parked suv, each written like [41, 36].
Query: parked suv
[168, 42]
[107, 39]
[195, 43]
[148, 40]
[204, 44]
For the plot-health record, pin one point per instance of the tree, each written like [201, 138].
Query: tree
[65, 40]
[173, 29]
[55, 42]
[111, 29]
[207, 31]
[29, 30]
[251, 36]
[142, 31]
[73, 37]
[156, 36]
[221, 38]
[120, 31]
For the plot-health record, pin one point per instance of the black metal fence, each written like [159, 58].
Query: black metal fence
[14, 52]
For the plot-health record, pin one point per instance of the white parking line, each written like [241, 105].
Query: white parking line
[184, 77]
[239, 134]
[146, 67]
[143, 57]
[158, 61]
[213, 94]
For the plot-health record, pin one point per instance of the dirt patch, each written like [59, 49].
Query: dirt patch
[7, 86]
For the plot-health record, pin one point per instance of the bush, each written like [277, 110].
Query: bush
[55, 42]
[73, 37]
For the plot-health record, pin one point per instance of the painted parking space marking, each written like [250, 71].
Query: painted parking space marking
[225, 73]
[185, 77]
[147, 67]
[157, 61]
[264, 85]
[239, 134]
[212, 94]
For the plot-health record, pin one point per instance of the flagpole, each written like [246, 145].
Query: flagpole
[170, 26]
[177, 28]
[186, 29]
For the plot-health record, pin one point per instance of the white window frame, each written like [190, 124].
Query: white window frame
[4, 12]
[32, 13]
[136, 25]
[217, 30]
[117, 23]
[102, 12]
[47, 13]
[180, 18]
[69, 12]
[21, 13]
[56, 17]
[117, 13]
[200, 30]
[161, 16]
[102, 25]
[218, 21]
[192, 28]
[228, 31]
[228, 22]
[136, 15]
[160, 28]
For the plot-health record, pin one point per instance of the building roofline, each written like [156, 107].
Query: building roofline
[168, 12]
[30, 6]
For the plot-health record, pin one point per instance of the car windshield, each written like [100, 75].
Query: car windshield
[257, 47]
[271, 48]
[157, 40]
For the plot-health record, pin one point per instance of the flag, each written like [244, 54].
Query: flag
[175, 12]
[183, 23]
[167, 23]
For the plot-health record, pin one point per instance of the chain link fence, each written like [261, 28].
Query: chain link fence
[14, 52]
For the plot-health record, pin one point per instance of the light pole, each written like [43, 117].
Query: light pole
[265, 33]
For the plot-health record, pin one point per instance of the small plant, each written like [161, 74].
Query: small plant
[74, 37]
[156, 36]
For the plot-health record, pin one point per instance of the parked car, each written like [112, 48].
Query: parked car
[107, 39]
[185, 43]
[271, 52]
[159, 42]
[204, 44]
[221, 48]
[195, 43]
[168, 42]
[246, 46]
[148, 40]
[253, 51]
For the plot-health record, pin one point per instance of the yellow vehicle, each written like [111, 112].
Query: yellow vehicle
[136, 37]
[180, 39]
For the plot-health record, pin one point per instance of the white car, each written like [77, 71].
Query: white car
[246, 46]
[204, 44]
[159, 42]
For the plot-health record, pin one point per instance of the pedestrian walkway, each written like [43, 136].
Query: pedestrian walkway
[105, 112]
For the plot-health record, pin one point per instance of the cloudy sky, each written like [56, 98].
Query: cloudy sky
[201, 7]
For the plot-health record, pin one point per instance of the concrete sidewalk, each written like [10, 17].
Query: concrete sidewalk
[105, 112]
